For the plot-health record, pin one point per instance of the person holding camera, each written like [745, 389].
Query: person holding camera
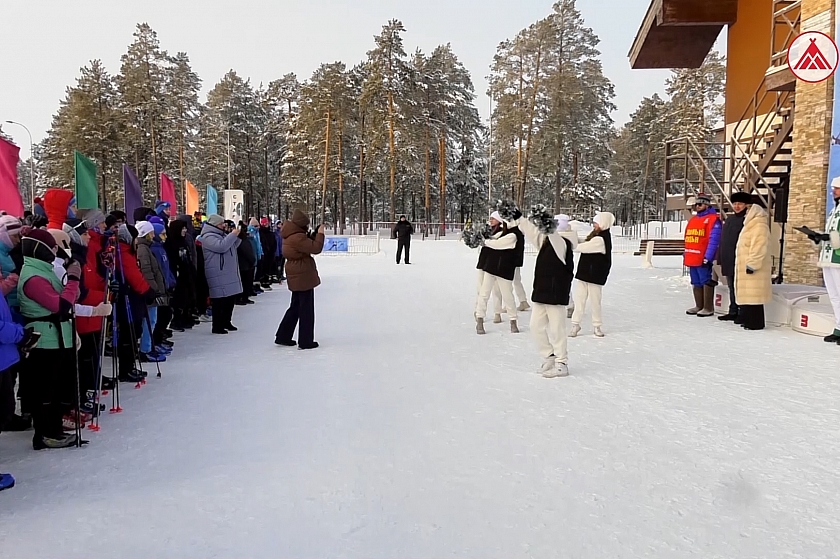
[299, 246]
[219, 243]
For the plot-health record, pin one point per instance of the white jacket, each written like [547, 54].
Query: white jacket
[499, 242]
[596, 244]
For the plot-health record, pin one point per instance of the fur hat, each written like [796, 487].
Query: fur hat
[144, 228]
[215, 220]
[742, 197]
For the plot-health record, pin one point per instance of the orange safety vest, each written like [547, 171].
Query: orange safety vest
[697, 236]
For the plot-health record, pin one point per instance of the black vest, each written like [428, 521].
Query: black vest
[553, 278]
[595, 268]
[499, 263]
[520, 247]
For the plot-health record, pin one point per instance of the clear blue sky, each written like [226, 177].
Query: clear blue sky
[263, 39]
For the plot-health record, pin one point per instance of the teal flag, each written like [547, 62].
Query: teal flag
[212, 200]
[87, 191]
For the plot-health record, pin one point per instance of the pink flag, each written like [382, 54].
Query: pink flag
[10, 200]
[167, 193]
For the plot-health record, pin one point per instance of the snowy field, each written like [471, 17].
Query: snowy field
[406, 435]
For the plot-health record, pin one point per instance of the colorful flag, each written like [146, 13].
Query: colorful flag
[212, 200]
[191, 198]
[167, 193]
[87, 192]
[133, 192]
[10, 200]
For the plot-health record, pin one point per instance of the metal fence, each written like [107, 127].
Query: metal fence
[356, 244]
[621, 245]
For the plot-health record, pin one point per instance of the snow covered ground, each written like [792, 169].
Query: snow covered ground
[406, 435]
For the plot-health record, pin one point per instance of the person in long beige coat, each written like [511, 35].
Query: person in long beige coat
[753, 266]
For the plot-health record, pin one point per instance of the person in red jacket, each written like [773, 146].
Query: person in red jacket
[132, 294]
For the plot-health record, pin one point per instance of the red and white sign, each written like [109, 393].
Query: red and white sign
[813, 57]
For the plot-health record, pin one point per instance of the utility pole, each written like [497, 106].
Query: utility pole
[490, 171]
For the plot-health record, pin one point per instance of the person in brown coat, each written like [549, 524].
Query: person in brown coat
[302, 278]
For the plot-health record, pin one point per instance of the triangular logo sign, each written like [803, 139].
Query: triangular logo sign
[813, 59]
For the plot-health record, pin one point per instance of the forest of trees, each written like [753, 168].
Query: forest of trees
[395, 133]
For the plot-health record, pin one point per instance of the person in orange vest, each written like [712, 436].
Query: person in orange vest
[702, 238]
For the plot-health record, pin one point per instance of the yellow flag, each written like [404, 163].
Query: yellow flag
[192, 198]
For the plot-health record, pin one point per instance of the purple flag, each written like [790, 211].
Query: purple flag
[133, 193]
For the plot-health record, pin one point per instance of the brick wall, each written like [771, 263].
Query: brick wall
[811, 137]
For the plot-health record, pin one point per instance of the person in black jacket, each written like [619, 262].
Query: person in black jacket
[180, 260]
[247, 266]
[269, 259]
[403, 231]
[593, 270]
[726, 253]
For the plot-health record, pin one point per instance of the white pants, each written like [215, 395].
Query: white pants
[497, 295]
[832, 284]
[591, 293]
[548, 327]
[489, 281]
[518, 289]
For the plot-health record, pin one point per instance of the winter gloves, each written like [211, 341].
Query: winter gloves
[74, 270]
[29, 341]
[102, 309]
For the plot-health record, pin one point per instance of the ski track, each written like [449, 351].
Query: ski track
[406, 435]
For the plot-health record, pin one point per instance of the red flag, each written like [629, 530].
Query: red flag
[10, 200]
[167, 193]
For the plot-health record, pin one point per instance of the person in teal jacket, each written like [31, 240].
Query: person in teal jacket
[10, 229]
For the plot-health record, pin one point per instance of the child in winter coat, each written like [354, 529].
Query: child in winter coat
[153, 275]
[47, 306]
[592, 273]
[164, 311]
[553, 276]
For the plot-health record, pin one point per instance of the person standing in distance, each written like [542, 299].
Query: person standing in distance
[403, 231]
[829, 243]
[732, 228]
[302, 278]
[702, 237]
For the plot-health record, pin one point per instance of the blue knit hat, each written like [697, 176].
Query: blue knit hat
[159, 228]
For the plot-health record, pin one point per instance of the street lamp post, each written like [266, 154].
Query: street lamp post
[31, 164]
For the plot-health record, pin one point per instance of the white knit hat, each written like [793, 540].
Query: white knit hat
[563, 222]
[497, 217]
[144, 228]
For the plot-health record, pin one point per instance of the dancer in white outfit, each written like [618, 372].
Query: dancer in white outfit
[518, 288]
[830, 259]
[553, 276]
[498, 262]
[592, 273]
